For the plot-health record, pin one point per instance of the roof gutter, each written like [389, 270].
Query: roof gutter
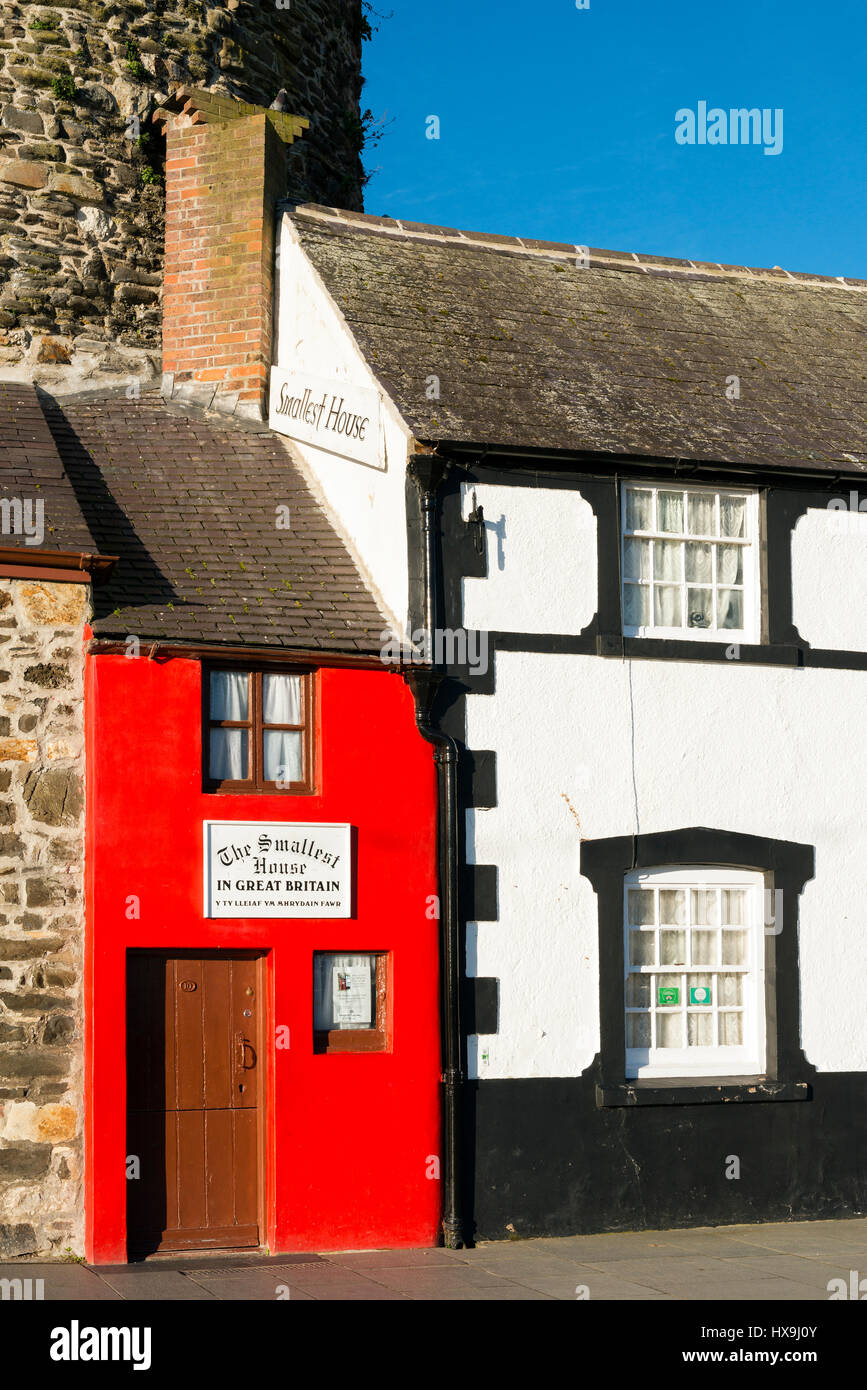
[428, 473]
[583, 461]
[243, 654]
[71, 566]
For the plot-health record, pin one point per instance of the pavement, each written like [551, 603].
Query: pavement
[780, 1261]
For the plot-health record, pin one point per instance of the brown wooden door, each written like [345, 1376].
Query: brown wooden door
[192, 1102]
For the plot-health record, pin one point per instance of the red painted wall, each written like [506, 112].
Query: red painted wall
[349, 1135]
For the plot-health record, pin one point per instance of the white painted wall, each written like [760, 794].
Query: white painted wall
[542, 568]
[593, 748]
[829, 578]
[367, 504]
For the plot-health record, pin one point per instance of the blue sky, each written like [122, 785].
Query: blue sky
[559, 123]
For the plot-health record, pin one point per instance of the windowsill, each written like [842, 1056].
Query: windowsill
[691, 649]
[698, 1090]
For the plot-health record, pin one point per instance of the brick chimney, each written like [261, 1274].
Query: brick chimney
[225, 171]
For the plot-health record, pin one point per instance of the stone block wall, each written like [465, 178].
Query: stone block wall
[41, 916]
[81, 185]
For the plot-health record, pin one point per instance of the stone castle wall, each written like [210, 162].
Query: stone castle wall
[81, 186]
[41, 915]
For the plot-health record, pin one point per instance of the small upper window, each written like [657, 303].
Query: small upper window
[259, 731]
[694, 972]
[690, 563]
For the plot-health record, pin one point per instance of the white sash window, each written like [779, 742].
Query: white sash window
[690, 563]
[694, 972]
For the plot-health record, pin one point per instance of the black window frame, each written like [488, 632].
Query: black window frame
[786, 867]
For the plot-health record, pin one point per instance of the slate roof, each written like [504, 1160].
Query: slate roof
[31, 470]
[629, 355]
[189, 505]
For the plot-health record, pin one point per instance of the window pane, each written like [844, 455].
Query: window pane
[228, 755]
[704, 948]
[636, 559]
[636, 606]
[700, 607]
[672, 948]
[667, 560]
[283, 756]
[730, 566]
[667, 606]
[701, 513]
[699, 1030]
[733, 516]
[344, 991]
[281, 699]
[705, 907]
[734, 951]
[638, 1030]
[672, 906]
[733, 906]
[731, 608]
[639, 509]
[730, 989]
[671, 512]
[669, 1030]
[642, 948]
[700, 991]
[730, 1030]
[640, 907]
[638, 990]
[229, 695]
[699, 562]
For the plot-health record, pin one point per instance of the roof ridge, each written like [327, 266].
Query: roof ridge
[591, 257]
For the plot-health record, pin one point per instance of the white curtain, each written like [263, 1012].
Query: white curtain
[228, 755]
[733, 513]
[700, 511]
[283, 756]
[667, 605]
[281, 699]
[229, 691]
[229, 694]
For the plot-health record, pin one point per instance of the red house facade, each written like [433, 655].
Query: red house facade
[341, 1149]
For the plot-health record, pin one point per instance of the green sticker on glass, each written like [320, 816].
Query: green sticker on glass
[668, 994]
[699, 994]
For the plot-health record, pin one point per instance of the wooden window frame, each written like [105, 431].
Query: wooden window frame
[333, 1040]
[256, 784]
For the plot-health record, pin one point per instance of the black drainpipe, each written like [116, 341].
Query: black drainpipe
[424, 683]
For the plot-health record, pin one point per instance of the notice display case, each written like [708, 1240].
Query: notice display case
[350, 997]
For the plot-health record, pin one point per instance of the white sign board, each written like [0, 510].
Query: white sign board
[334, 415]
[258, 869]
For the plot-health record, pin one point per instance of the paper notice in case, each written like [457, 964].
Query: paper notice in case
[351, 995]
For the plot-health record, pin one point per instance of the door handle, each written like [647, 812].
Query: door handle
[242, 1044]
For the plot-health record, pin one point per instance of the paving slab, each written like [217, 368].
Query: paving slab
[62, 1281]
[394, 1259]
[352, 1293]
[169, 1285]
[248, 1285]
[414, 1281]
[813, 1273]
[698, 1279]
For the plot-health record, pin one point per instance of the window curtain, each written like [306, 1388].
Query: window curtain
[281, 699]
[283, 756]
[229, 694]
[228, 753]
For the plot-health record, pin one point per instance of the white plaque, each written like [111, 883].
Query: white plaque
[259, 869]
[334, 415]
